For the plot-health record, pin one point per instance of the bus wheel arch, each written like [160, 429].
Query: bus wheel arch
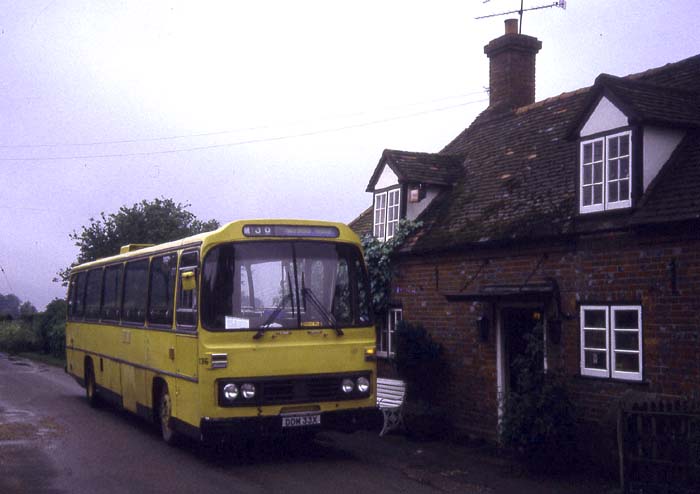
[91, 392]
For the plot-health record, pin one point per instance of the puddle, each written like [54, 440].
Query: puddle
[15, 415]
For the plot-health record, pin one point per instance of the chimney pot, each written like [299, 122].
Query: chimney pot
[511, 26]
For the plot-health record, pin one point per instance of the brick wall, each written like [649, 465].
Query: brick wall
[636, 268]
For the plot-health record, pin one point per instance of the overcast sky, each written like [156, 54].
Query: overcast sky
[260, 109]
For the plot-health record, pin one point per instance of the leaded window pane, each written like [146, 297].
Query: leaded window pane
[597, 194]
[587, 196]
[598, 173]
[587, 174]
[594, 318]
[624, 145]
[624, 190]
[598, 150]
[624, 164]
[627, 362]
[596, 359]
[626, 340]
[626, 319]
[612, 192]
[594, 338]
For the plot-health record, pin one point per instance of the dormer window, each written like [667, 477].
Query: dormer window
[606, 173]
[386, 213]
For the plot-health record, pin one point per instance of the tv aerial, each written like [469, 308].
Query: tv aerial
[559, 3]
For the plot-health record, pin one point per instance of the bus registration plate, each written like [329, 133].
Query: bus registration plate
[301, 420]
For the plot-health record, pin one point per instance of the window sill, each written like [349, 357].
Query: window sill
[642, 383]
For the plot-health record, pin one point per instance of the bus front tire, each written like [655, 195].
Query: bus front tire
[91, 386]
[170, 436]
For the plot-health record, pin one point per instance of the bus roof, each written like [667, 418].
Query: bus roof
[225, 233]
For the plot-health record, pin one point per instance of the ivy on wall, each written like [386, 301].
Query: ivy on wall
[379, 264]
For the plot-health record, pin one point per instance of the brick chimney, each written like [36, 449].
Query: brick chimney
[512, 68]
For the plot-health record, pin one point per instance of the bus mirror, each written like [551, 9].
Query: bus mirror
[188, 280]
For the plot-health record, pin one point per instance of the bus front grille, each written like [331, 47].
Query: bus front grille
[293, 390]
[300, 390]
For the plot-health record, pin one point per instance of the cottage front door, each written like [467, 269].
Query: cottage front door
[518, 326]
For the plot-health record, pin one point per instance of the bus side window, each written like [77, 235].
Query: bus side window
[135, 292]
[162, 282]
[187, 299]
[111, 293]
[78, 296]
[71, 296]
[93, 292]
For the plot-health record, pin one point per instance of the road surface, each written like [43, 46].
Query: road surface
[51, 441]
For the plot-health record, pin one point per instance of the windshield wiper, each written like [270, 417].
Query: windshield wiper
[327, 315]
[273, 315]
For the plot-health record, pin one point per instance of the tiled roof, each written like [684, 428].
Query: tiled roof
[520, 168]
[426, 168]
[674, 195]
[362, 225]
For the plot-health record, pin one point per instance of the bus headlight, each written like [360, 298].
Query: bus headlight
[347, 386]
[362, 384]
[248, 391]
[230, 392]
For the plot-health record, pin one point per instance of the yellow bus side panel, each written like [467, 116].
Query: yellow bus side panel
[186, 402]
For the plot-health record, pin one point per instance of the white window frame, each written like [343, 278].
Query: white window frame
[387, 213]
[610, 344]
[627, 375]
[606, 204]
[393, 212]
[585, 371]
[393, 317]
[380, 215]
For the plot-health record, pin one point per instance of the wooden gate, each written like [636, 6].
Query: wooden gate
[659, 446]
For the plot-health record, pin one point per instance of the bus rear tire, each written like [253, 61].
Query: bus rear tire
[169, 435]
[91, 386]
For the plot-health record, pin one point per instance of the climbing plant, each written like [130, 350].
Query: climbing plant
[538, 418]
[378, 258]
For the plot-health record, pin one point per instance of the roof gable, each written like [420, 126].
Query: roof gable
[641, 103]
[411, 167]
[603, 117]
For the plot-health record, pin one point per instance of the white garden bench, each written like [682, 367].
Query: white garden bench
[390, 399]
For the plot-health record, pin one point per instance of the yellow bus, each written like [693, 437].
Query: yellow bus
[261, 327]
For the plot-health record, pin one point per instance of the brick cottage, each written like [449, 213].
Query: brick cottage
[580, 212]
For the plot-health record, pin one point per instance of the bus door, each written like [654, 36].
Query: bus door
[186, 347]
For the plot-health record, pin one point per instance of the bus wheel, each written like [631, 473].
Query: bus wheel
[164, 416]
[91, 386]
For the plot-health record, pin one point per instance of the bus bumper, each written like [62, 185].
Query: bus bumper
[271, 426]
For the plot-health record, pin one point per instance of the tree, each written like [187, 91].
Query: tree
[27, 310]
[9, 306]
[50, 328]
[157, 221]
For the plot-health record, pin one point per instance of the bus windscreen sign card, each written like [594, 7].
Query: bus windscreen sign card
[236, 323]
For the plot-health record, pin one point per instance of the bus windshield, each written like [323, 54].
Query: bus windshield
[284, 284]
